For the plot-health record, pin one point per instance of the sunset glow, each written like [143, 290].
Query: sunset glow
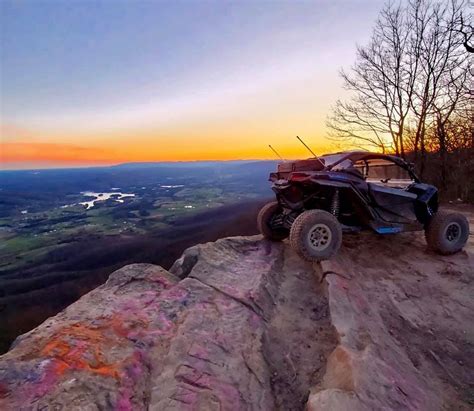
[84, 83]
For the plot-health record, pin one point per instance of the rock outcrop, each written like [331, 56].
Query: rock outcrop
[243, 323]
[247, 328]
[404, 320]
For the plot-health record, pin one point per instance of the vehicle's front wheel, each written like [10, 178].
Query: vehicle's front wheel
[447, 232]
[266, 222]
[316, 235]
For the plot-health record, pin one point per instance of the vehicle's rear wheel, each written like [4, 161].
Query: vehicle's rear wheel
[266, 217]
[316, 235]
[447, 232]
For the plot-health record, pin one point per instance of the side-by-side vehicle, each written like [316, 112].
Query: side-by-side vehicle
[319, 198]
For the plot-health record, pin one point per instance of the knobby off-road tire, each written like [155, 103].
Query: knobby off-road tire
[264, 218]
[447, 232]
[316, 235]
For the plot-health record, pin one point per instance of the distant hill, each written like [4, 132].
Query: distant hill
[193, 164]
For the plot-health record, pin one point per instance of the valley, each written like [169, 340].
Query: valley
[62, 233]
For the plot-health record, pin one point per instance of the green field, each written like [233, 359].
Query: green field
[26, 237]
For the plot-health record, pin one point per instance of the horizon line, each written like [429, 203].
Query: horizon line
[136, 162]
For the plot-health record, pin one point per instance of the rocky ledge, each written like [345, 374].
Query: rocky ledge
[243, 323]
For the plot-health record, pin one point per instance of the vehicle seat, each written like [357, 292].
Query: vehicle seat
[355, 172]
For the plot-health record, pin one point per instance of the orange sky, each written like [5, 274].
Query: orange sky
[209, 125]
[152, 146]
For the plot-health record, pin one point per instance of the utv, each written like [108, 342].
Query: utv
[319, 198]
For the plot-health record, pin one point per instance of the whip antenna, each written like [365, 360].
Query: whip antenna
[311, 151]
[276, 152]
[302, 142]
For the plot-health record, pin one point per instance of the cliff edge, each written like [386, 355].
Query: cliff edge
[243, 323]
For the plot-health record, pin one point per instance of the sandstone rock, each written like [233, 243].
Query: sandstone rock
[339, 370]
[401, 327]
[145, 340]
[334, 399]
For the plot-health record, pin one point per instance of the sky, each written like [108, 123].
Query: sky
[103, 82]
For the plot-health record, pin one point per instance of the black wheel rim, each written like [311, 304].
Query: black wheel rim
[453, 231]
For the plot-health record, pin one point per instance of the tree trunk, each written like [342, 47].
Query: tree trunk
[441, 136]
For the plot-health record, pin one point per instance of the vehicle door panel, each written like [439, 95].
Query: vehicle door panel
[393, 204]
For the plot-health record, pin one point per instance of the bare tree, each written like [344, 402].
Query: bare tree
[381, 82]
[409, 79]
[467, 31]
[439, 87]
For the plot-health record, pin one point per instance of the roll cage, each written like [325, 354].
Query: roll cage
[348, 160]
